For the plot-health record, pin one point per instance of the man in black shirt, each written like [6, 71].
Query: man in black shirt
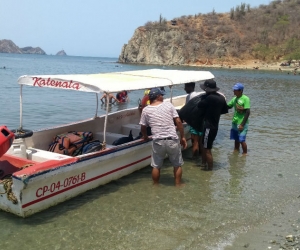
[214, 105]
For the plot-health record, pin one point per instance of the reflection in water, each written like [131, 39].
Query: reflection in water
[236, 170]
[110, 106]
[115, 107]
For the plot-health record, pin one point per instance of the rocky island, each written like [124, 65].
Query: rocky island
[61, 53]
[8, 46]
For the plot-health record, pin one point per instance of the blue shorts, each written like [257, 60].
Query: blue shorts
[195, 132]
[238, 135]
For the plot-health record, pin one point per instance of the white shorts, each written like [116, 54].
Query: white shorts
[161, 148]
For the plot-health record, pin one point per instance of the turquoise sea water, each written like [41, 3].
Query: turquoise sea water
[208, 212]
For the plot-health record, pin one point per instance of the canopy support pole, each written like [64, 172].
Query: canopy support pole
[21, 107]
[105, 120]
[97, 105]
[171, 94]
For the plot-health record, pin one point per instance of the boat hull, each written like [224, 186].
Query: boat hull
[53, 178]
[48, 189]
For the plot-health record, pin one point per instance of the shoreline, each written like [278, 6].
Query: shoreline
[293, 69]
[253, 65]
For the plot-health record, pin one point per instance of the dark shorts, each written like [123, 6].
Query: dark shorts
[209, 136]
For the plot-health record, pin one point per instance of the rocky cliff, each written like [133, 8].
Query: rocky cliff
[153, 47]
[268, 33]
[169, 45]
[8, 46]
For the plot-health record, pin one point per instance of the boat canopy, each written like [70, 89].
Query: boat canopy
[116, 81]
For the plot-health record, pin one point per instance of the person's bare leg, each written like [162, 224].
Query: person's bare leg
[177, 175]
[236, 146]
[203, 156]
[195, 149]
[155, 175]
[209, 159]
[200, 145]
[244, 147]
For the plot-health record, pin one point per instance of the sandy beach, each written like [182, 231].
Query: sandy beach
[255, 65]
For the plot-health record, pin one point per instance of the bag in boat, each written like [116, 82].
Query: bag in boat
[124, 139]
[141, 135]
[69, 142]
[90, 147]
[191, 114]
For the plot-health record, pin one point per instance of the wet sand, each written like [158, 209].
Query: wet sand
[280, 232]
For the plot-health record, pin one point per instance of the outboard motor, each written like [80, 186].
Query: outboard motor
[6, 139]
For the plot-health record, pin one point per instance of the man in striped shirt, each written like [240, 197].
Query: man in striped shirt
[160, 116]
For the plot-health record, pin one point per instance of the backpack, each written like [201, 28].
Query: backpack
[191, 114]
[92, 146]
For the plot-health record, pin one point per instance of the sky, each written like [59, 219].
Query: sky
[97, 28]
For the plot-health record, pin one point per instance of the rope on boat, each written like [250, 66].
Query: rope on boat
[7, 185]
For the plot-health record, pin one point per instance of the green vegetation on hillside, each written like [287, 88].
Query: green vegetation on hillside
[268, 32]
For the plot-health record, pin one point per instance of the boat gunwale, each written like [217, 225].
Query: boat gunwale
[91, 156]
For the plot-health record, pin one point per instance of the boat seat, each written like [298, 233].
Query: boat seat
[136, 128]
[40, 155]
[110, 137]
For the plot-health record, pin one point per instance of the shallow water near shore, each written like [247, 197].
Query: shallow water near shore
[209, 211]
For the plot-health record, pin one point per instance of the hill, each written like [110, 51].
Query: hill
[8, 46]
[269, 33]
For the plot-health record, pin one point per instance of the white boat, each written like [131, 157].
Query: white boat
[41, 179]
